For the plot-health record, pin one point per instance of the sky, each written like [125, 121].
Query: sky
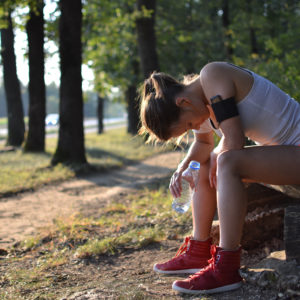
[52, 73]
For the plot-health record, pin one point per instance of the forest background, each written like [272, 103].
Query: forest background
[122, 42]
[116, 229]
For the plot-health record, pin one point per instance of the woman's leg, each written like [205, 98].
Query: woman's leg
[194, 253]
[271, 164]
[275, 165]
[203, 206]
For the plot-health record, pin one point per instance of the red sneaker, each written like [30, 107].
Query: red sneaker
[222, 274]
[191, 257]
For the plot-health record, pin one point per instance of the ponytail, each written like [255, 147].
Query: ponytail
[158, 110]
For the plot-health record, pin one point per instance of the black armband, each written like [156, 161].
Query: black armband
[224, 109]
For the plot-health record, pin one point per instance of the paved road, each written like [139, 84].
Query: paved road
[90, 125]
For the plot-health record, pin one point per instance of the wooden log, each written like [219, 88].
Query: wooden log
[262, 227]
[261, 196]
[292, 232]
[258, 228]
[291, 219]
[273, 211]
[290, 190]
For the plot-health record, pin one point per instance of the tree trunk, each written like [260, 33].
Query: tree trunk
[132, 109]
[252, 32]
[253, 40]
[146, 38]
[15, 114]
[70, 147]
[100, 113]
[37, 97]
[226, 24]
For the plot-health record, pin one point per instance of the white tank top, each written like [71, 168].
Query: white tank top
[269, 116]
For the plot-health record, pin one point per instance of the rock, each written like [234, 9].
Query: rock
[3, 252]
[267, 278]
[276, 273]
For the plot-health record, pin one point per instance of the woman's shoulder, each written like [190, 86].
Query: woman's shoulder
[227, 78]
[213, 68]
[216, 73]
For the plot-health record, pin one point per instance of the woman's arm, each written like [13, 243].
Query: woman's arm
[200, 150]
[216, 80]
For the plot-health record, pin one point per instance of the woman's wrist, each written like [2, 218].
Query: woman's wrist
[182, 166]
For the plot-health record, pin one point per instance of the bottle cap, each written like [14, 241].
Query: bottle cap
[194, 165]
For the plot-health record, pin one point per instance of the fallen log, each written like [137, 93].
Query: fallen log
[259, 227]
[272, 212]
[291, 221]
[292, 232]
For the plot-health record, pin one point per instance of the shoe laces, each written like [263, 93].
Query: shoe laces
[184, 247]
[212, 262]
[214, 256]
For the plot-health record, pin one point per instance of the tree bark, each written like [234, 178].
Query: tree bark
[132, 109]
[226, 24]
[15, 114]
[100, 113]
[146, 38]
[70, 147]
[132, 101]
[252, 32]
[37, 96]
[291, 232]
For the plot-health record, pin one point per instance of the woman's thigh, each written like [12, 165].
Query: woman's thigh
[268, 164]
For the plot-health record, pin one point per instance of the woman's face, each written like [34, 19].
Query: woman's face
[189, 119]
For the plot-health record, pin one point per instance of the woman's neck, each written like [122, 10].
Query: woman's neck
[194, 88]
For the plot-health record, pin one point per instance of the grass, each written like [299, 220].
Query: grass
[42, 266]
[3, 122]
[134, 222]
[22, 171]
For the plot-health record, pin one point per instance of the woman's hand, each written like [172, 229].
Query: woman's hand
[175, 183]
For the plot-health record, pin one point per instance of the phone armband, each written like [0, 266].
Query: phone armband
[224, 108]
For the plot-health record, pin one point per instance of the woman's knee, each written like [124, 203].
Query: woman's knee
[228, 162]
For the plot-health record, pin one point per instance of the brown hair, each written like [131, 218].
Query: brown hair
[158, 110]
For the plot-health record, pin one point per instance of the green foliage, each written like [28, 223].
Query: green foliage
[110, 43]
[276, 29]
[189, 34]
[264, 36]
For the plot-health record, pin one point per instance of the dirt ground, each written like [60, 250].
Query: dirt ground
[24, 213]
[111, 276]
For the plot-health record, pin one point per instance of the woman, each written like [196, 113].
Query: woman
[238, 103]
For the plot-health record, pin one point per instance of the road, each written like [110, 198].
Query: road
[90, 125]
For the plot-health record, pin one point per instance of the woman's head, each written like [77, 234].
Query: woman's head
[158, 110]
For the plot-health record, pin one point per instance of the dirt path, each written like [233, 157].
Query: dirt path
[128, 275]
[24, 213]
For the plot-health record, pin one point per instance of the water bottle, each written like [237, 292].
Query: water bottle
[182, 203]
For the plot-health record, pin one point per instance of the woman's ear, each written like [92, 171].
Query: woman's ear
[182, 101]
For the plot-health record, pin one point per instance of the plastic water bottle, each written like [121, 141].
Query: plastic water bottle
[182, 203]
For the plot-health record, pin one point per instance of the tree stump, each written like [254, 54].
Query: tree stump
[292, 232]
[272, 212]
[291, 221]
